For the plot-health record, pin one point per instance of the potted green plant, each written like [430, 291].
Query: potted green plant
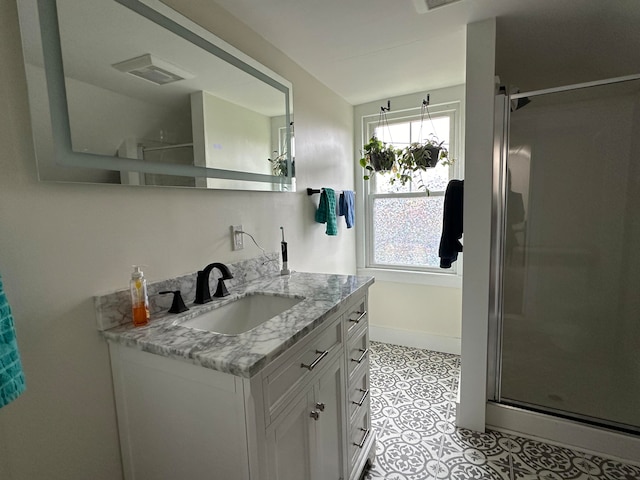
[418, 157]
[378, 156]
[279, 165]
[424, 155]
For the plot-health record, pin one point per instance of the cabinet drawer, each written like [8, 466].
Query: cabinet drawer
[358, 394]
[356, 315]
[285, 380]
[358, 349]
[359, 434]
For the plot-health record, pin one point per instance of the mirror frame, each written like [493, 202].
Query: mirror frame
[173, 21]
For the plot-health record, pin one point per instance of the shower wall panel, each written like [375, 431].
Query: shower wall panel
[570, 326]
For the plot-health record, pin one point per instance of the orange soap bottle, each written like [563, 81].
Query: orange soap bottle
[139, 298]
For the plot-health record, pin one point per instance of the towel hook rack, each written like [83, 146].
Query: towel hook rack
[312, 191]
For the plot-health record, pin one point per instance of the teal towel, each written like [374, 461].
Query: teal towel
[326, 212]
[11, 376]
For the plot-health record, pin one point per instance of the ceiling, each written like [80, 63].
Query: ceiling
[367, 50]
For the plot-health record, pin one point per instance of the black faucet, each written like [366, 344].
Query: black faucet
[203, 294]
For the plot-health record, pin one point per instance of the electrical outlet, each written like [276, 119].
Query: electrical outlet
[237, 242]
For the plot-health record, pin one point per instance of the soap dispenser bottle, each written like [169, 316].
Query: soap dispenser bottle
[139, 298]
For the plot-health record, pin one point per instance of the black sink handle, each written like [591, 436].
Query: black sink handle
[177, 306]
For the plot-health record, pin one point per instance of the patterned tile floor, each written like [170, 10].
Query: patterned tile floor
[413, 394]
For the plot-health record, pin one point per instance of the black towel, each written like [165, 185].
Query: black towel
[451, 224]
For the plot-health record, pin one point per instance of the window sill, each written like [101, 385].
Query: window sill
[450, 280]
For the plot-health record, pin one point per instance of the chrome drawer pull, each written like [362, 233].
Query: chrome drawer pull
[316, 361]
[357, 320]
[315, 415]
[364, 354]
[320, 406]
[364, 397]
[364, 438]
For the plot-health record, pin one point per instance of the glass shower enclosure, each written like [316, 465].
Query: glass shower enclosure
[567, 254]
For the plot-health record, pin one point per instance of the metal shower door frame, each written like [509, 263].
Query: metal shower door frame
[502, 118]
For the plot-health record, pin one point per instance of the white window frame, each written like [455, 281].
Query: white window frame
[407, 274]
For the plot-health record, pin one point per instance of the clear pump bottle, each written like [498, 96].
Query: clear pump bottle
[139, 298]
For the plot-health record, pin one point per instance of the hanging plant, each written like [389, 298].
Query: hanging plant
[418, 157]
[423, 155]
[378, 156]
[279, 165]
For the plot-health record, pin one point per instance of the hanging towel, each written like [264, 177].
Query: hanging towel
[326, 212]
[11, 376]
[451, 224]
[347, 210]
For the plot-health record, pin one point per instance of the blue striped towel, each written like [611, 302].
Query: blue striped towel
[347, 207]
[11, 375]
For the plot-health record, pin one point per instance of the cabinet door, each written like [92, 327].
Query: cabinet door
[329, 401]
[290, 441]
[306, 441]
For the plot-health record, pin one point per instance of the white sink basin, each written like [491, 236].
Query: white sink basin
[242, 314]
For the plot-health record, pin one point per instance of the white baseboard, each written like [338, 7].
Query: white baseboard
[559, 431]
[408, 338]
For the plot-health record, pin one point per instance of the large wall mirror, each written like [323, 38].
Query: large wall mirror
[131, 92]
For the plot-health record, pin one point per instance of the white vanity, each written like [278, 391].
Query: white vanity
[288, 399]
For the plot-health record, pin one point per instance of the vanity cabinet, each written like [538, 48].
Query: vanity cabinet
[360, 440]
[305, 441]
[304, 416]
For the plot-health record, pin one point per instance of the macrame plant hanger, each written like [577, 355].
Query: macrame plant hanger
[383, 121]
[424, 108]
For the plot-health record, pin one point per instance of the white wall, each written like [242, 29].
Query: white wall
[421, 316]
[101, 134]
[416, 311]
[233, 135]
[481, 39]
[60, 244]
[546, 50]
[127, 117]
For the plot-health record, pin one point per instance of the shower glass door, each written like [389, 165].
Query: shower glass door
[569, 295]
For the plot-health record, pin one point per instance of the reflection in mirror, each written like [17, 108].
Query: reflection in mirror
[131, 92]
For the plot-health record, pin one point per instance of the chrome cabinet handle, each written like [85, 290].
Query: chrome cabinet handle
[357, 320]
[320, 406]
[316, 361]
[365, 394]
[315, 415]
[364, 354]
[364, 438]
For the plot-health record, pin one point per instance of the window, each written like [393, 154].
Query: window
[404, 223]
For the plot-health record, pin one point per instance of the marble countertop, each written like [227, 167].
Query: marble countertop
[247, 353]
